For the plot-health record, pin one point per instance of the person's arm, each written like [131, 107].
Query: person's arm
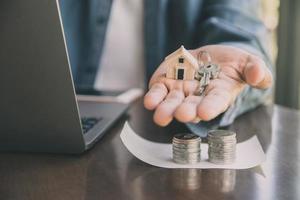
[238, 36]
[233, 22]
[236, 23]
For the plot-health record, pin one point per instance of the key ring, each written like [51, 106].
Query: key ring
[206, 72]
[200, 61]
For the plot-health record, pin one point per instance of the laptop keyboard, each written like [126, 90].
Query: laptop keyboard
[88, 123]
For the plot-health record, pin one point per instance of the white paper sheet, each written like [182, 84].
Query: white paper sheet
[248, 153]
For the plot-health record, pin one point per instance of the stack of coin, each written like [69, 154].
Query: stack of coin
[222, 146]
[186, 148]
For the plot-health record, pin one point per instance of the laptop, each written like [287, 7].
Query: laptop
[39, 111]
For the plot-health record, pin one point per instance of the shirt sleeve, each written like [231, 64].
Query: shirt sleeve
[234, 23]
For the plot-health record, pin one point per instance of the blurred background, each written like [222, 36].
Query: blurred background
[281, 18]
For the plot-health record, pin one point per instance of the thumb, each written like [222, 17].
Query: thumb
[256, 73]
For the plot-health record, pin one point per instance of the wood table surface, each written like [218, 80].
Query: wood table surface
[109, 171]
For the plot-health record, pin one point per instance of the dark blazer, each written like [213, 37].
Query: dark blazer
[167, 25]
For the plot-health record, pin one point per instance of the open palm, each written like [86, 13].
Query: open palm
[175, 98]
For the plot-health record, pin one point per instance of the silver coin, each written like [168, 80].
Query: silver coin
[186, 157]
[231, 151]
[221, 156]
[221, 139]
[221, 146]
[188, 136]
[223, 159]
[183, 148]
[178, 153]
[218, 145]
[224, 145]
[187, 161]
[186, 148]
[186, 139]
[221, 134]
[222, 150]
[186, 143]
[221, 142]
[227, 146]
[197, 145]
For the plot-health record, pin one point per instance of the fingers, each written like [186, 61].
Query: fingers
[193, 108]
[256, 73]
[189, 87]
[164, 112]
[155, 95]
[159, 89]
[167, 96]
[187, 111]
[214, 103]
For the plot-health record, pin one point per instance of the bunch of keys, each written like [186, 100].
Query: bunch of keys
[207, 71]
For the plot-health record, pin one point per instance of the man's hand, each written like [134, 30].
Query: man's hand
[175, 98]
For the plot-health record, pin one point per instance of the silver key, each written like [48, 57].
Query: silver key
[205, 74]
[214, 70]
[204, 79]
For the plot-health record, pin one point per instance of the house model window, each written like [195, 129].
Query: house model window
[181, 65]
[180, 70]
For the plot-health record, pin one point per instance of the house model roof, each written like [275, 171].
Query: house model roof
[182, 52]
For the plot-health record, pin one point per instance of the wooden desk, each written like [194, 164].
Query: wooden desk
[109, 171]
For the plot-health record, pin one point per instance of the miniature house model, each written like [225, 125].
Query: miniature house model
[181, 65]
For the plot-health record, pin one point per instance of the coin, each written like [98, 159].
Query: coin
[221, 146]
[186, 148]
[196, 145]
